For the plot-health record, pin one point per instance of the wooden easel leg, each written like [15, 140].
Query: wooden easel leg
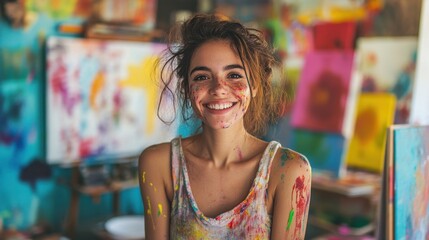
[74, 204]
[116, 202]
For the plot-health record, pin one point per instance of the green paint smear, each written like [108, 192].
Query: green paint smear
[289, 221]
[283, 158]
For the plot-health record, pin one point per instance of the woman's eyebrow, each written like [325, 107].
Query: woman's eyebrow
[199, 68]
[232, 66]
[227, 67]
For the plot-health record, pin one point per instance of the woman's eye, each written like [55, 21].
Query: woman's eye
[235, 76]
[200, 78]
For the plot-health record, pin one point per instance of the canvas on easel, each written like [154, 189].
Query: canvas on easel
[407, 201]
[374, 113]
[102, 99]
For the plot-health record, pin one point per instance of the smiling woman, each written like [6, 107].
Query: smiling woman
[224, 182]
[219, 91]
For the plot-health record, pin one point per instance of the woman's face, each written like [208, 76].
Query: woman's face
[219, 91]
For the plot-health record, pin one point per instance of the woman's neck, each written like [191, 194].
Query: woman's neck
[223, 146]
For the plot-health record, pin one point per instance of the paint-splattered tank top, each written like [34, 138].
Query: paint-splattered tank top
[248, 220]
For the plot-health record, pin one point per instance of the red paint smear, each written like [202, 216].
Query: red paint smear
[240, 154]
[58, 81]
[301, 201]
[86, 146]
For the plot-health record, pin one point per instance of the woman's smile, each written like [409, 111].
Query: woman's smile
[220, 93]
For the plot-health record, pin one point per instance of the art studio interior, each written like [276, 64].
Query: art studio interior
[79, 102]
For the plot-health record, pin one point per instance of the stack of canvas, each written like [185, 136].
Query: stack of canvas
[322, 115]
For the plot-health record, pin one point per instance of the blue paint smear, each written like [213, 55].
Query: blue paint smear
[20, 117]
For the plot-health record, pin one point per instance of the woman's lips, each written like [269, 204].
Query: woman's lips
[219, 107]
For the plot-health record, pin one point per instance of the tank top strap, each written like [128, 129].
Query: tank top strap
[266, 162]
[175, 161]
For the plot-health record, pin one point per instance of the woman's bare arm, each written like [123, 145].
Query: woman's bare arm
[292, 195]
[155, 188]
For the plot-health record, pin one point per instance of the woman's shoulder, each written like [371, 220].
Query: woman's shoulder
[290, 162]
[288, 168]
[157, 155]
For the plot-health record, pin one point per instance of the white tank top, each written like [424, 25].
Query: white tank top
[248, 220]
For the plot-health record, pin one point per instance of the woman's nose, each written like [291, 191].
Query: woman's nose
[218, 87]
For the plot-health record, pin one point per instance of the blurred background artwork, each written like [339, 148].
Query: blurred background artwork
[419, 111]
[323, 91]
[72, 87]
[338, 35]
[325, 151]
[374, 114]
[105, 94]
[407, 203]
[379, 54]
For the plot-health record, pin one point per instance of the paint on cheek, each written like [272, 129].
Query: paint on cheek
[289, 221]
[195, 94]
[240, 91]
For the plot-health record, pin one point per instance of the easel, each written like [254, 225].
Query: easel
[95, 193]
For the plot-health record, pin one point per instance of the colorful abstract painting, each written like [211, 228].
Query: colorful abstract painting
[411, 182]
[141, 13]
[324, 151]
[61, 10]
[326, 93]
[383, 71]
[102, 99]
[374, 114]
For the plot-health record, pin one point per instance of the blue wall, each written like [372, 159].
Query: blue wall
[29, 189]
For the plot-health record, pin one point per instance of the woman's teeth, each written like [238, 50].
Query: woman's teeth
[219, 106]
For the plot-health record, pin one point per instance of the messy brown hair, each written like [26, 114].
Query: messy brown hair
[255, 53]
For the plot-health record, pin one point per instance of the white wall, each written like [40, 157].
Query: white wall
[420, 102]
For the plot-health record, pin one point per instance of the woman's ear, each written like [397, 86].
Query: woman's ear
[254, 91]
